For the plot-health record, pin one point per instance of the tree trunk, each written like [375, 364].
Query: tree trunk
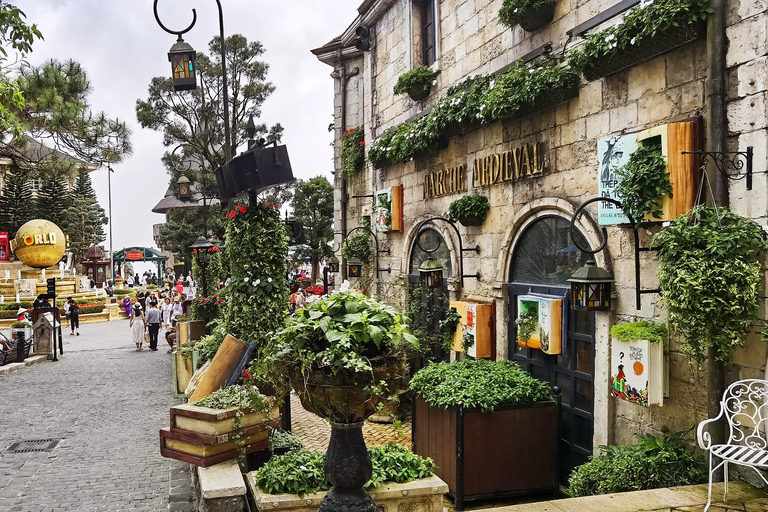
[315, 268]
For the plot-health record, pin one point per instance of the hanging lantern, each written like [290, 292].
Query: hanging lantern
[355, 268]
[431, 273]
[333, 264]
[182, 59]
[591, 288]
[184, 188]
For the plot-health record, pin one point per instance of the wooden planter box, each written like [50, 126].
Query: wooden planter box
[190, 331]
[184, 367]
[508, 452]
[204, 436]
[424, 495]
[547, 100]
[647, 49]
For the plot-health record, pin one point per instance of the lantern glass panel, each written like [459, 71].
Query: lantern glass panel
[355, 270]
[333, 267]
[182, 66]
[184, 191]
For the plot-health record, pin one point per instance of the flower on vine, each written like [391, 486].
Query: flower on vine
[269, 279]
[633, 40]
[245, 373]
[303, 468]
[242, 209]
[245, 279]
[257, 282]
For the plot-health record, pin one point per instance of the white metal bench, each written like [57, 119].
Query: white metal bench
[744, 408]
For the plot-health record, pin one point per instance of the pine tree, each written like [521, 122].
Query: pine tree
[52, 199]
[16, 204]
[84, 220]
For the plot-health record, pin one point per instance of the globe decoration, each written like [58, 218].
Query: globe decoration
[39, 243]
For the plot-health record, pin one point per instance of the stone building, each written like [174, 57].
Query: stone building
[524, 244]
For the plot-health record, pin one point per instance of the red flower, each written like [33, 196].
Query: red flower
[362, 143]
[245, 373]
[217, 303]
[242, 209]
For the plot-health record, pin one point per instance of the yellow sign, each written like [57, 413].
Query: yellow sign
[527, 160]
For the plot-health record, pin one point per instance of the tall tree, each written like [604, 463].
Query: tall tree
[184, 225]
[16, 205]
[84, 220]
[313, 207]
[52, 199]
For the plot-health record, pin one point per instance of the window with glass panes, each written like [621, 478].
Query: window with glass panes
[428, 54]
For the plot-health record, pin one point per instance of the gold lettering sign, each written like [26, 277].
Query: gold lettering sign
[445, 181]
[517, 163]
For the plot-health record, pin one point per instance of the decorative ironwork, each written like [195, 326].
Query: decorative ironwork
[388, 270]
[604, 241]
[462, 250]
[734, 165]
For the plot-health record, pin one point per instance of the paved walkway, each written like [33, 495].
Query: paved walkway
[106, 403]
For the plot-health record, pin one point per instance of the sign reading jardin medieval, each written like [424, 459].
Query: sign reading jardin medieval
[612, 153]
[512, 165]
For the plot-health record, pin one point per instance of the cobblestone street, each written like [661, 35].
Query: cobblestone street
[105, 402]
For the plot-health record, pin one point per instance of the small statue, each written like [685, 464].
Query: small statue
[110, 288]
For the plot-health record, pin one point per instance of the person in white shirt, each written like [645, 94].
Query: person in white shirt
[176, 311]
[167, 310]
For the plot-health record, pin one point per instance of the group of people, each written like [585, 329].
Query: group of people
[71, 312]
[158, 314]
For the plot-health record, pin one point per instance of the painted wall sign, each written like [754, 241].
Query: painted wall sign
[612, 153]
[450, 180]
[517, 163]
[389, 209]
[637, 372]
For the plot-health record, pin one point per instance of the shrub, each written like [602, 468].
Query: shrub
[636, 331]
[240, 396]
[206, 308]
[280, 440]
[474, 205]
[358, 245]
[352, 152]
[19, 325]
[301, 471]
[479, 384]
[653, 463]
[644, 182]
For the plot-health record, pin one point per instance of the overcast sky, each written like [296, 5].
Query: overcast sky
[121, 48]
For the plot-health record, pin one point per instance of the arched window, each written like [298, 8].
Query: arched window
[430, 244]
[545, 254]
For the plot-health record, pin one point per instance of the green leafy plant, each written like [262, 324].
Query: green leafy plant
[207, 308]
[418, 79]
[184, 318]
[643, 330]
[19, 325]
[527, 323]
[301, 471]
[426, 308]
[341, 332]
[480, 384]
[448, 327]
[281, 440]
[639, 24]
[469, 206]
[358, 245]
[206, 347]
[237, 395]
[653, 463]
[352, 152]
[710, 278]
[644, 182]
[512, 11]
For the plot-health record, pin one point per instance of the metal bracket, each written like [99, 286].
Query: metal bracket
[727, 161]
[378, 251]
[462, 250]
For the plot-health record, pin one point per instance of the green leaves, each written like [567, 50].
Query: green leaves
[644, 181]
[479, 384]
[473, 205]
[420, 77]
[643, 330]
[238, 395]
[512, 11]
[358, 245]
[352, 152]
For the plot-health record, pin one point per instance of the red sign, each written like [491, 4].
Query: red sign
[134, 255]
[4, 246]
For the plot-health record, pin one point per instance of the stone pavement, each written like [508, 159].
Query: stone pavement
[106, 403]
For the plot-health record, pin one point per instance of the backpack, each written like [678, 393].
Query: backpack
[74, 309]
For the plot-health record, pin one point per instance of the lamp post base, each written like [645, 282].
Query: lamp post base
[347, 467]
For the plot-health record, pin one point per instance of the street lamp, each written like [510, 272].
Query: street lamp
[202, 246]
[431, 273]
[184, 188]
[185, 56]
[591, 288]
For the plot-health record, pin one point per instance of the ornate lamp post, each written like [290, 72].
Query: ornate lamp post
[182, 57]
[202, 246]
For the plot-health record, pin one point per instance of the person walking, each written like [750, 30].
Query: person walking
[74, 317]
[167, 313]
[138, 325]
[153, 318]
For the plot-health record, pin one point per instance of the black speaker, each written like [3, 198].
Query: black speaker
[254, 171]
[363, 41]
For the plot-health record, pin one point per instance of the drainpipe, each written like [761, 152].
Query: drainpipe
[344, 80]
[715, 87]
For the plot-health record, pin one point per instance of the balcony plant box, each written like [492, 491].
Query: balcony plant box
[646, 49]
[547, 100]
[487, 450]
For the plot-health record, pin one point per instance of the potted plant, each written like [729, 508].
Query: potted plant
[416, 83]
[343, 355]
[17, 327]
[648, 30]
[468, 402]
[531, 15]
[358, 246]
[470, 210]
[644, 181]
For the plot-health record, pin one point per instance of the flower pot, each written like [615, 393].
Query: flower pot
[546, 101]
[475, 220]
[342, 397]
[535, 18]
[419, 92]
[623, 58]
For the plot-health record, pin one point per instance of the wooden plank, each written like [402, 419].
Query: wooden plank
[208, 461]
[682, 168]
[205, 421]
[397, 208]
[221, 368]
[192, 445]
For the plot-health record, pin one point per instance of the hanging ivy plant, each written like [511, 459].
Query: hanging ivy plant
[710, 278]
[358, 245]
[644, 181]
[416, 82]
[517, 12]
[470, 210]
[352, 152]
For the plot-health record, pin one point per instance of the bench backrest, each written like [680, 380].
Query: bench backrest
[745, 406]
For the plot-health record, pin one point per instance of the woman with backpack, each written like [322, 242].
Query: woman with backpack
[74, 317]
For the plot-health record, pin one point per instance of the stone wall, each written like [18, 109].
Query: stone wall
[666, 89]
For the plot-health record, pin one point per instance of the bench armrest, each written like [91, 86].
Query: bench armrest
[702, 436]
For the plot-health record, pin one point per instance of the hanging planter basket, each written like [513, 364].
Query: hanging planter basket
[475, 220]
[662, 42]
[547, 100]
[456, 128]
[419, 92]
[538, 17]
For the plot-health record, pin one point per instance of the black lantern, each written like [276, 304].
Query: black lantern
[333, 264]
[184, 188]
[431, 273]
[182, 59]
[591, 288]
[355, 268]
[200, 249]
